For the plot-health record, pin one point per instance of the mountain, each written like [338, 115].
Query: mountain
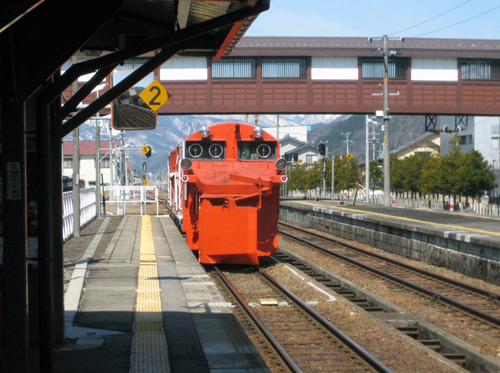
[403, 128]
[172, 130]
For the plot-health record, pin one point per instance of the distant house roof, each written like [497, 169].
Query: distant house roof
[87, 147]
[305, 146]
[425, 136]
[291, 138]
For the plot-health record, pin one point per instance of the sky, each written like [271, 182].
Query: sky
[377, 17]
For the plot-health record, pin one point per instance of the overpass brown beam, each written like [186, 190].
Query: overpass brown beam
[320, 97]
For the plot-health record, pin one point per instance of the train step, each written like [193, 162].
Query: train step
[373, 309]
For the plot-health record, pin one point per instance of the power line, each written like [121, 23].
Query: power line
[430, 19]
[458, 23]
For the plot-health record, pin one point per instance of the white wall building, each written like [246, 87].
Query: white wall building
[481, 134]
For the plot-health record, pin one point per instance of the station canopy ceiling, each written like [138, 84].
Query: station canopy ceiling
[138, 21]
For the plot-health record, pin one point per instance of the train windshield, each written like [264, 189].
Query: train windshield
[206, 150]
[257, 150]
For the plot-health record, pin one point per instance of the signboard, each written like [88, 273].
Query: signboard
[154, 95]
[145, 149]
[13, 180]
[300, 160]
[349, 156]
[145, 182]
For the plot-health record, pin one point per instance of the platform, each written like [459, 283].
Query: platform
[458, 222]
[139, 301]
[466, 243]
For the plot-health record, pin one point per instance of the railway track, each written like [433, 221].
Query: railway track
[474, 301]
[305, 340]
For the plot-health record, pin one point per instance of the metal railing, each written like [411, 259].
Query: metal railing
[484, 209]
[126, 195]
[87, 210]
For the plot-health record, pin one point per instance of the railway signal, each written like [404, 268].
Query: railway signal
[322, 149]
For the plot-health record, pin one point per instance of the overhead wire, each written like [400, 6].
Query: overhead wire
[458, 23]
[433, 18]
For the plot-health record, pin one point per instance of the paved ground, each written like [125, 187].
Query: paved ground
[456, 220]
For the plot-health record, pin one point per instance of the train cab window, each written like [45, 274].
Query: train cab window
[205, 150]
[257, 150]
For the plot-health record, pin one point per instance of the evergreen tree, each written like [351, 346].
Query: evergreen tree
[430, 176]
[476, 175]
[376, 175]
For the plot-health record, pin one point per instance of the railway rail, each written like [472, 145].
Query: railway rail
[471, 300]
[304, 339]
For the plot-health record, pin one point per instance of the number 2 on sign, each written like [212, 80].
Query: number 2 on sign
[158, 92]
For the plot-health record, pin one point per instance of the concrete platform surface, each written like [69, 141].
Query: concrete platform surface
[444, 220]
[147, 305]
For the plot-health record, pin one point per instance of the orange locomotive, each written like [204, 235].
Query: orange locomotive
[224, 192]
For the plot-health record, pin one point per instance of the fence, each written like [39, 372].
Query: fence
[124, 196]
[87, 210]
[478, 208]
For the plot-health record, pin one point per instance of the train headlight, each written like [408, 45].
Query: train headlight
[205, 132]
[186, 164]
[258, 132]
[281, 164]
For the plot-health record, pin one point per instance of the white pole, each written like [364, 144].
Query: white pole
[367, 161]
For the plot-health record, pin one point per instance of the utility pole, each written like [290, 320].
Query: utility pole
[278, 127]
[373, 140]
[111, 178]
[387, 161]
[333, 177]
[324, 172]
[387, 148]
[122, 159]
[367, 160]
[97, 168]
[347, 134]
[76, 169]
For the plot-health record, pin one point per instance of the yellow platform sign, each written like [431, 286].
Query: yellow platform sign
[154, 95]
[349, 156]
[145, 149]
[145, 182]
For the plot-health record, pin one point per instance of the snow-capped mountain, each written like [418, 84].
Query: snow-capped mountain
[172, 130]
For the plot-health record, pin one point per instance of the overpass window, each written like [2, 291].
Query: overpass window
[481, 70]
[283, 68]
[234, 68]
[374, 69]
[134, 63]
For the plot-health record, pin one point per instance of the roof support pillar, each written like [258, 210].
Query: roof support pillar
[15, 295]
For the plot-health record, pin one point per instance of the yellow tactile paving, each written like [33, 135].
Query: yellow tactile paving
[149, 344]
[402, 218]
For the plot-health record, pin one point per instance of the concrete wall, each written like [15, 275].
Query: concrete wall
[476, 257]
